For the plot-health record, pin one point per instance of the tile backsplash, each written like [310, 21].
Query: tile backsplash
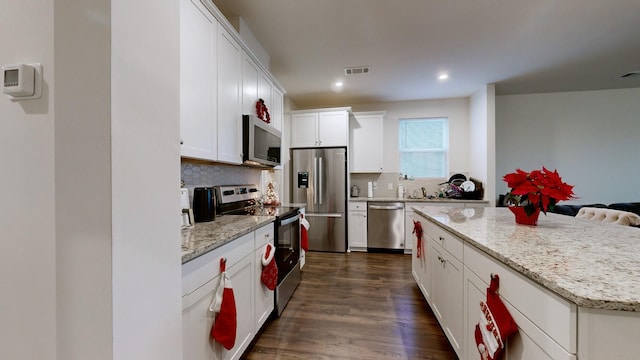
[199, 174]
[384, 179]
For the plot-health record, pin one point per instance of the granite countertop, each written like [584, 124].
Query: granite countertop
[592, 264]
[204, 237]
[422, 200]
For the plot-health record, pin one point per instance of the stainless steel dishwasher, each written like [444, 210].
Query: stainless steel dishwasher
[385, 227]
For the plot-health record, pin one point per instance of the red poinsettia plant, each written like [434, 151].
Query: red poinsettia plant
[538, 189]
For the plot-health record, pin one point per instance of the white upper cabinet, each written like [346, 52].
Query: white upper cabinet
[320, 128]
[264, 90]
[229, 98]
[277, 109]
[366, 131]
[198, 91]
[256, 84]
[219, 82]
[249, 85]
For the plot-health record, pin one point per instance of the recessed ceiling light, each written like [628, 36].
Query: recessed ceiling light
[443, 76]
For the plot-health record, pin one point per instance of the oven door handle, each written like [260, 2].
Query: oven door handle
[332, 215]
[288, 221]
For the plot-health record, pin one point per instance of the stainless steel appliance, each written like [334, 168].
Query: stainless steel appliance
[319, 180]
[385, 227]
[261, 142]
[243, 200]
[287, 244]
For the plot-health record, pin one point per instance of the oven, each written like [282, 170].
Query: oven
[244, 200]
[287, 244]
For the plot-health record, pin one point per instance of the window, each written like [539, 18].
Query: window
[423, 145]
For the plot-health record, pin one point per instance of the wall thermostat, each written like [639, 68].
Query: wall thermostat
[22, 81]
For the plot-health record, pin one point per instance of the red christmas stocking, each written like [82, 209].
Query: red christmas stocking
[304, 236]
[496, 324]
[269, 275]
[224, 304]
[417, 229]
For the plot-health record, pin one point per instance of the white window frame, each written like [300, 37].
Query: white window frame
[444, 150]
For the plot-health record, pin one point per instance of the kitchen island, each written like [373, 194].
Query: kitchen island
[425, 201]
[572, 285]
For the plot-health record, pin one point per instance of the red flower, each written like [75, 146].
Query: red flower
[540, 189]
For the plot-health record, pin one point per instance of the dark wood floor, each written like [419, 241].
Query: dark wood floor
[354, 306]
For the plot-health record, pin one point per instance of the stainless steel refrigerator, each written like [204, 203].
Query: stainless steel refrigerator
[319, 180]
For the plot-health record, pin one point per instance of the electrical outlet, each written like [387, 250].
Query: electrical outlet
[390, 186]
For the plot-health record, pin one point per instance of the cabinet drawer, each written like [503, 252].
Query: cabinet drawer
[357, 206]
[553, 315]
[198, 271]
[264, 235]
[448, 241]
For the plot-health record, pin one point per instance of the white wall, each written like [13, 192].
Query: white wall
[82, 114]
[147, 311]
[457, 110]
[27, 258]
[90, 265]
[591, 137]
[482, 139]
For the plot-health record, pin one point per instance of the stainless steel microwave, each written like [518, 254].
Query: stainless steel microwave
[261, 142]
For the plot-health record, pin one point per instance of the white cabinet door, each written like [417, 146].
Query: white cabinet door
[249, 85]
[408, 227]
[366, 142]
[241, 275]
[304, 128]
[229, 98]
[198, 92]
[197, 321]
[333, 128]
[447, 294]
[265, 88]
[276, 109]
[264, 298]
[421, 266]
[357, 230]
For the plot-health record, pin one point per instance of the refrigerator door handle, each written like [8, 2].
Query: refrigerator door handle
[331, 215]
[320, 180]
[315, 180]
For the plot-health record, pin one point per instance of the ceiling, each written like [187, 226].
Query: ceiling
[522, 46]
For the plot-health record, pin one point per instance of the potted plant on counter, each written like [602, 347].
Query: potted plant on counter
[535, 191]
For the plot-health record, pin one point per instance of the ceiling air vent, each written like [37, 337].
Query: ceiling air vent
[631, 74]
[357, 70]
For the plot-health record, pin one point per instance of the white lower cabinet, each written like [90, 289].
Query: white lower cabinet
[254, 303]
[264, 298]
[196, 323]
[446, 289]
[421, 266]
[357, 222]
[241, 276]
